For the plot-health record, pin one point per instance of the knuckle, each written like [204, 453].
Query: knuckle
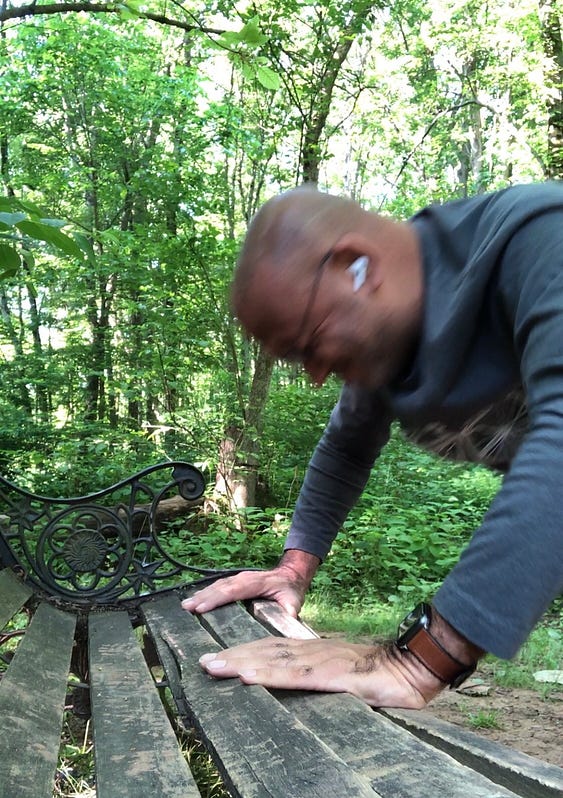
[305, 670]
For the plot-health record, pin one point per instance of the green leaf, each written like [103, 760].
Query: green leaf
[53, 222]
[229, 38]
[134, 6]
[86, 246]
[44, 232]
[247, 70]
[251, 34]
[126, 13]
[11, 204]
[268, 78]
[9, 261]
[11, 219]
[219, 44]
[30, 207]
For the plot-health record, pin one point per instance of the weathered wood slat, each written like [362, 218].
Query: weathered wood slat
[397, 764]
[525, 775]
[262, 750]
[136, 750]
[13, 595]
[276, 618]
[32, 696]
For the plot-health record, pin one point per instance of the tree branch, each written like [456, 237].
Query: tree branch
[34, 10]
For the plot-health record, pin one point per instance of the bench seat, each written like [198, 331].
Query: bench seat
[280, 743]
[94, 597]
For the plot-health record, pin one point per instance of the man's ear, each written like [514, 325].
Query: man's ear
[356, 253]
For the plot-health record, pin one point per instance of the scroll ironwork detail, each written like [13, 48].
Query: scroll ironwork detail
[105, 547]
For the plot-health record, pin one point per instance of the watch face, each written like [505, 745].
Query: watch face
[419, 618]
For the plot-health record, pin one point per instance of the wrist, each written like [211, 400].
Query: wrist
[453, 641]
[301, 564]
[416, 674]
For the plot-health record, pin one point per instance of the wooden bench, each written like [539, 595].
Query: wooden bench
[99, 579]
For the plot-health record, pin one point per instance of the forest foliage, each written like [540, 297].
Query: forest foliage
[137, 139]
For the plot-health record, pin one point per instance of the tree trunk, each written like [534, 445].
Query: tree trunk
[470, 172]
[42, 400]
[239, 455]
[553, 48]
[237, 470]
[21, 390]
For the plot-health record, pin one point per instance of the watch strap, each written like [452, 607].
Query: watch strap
[437, 660]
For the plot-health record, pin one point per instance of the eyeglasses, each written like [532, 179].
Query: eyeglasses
[302, 354]
[358, 269]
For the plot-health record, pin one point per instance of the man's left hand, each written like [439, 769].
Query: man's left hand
[382, 676]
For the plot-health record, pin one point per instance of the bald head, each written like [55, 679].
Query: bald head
[297, 287]
[288, 237]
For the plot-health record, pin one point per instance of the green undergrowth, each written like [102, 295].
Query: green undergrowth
[376, 621]
[201, 764]
[543, 651]
[415, 516]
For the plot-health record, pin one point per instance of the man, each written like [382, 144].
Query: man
[429, 321]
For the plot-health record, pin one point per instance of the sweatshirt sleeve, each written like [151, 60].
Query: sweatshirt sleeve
[339, 469]
[513, 567]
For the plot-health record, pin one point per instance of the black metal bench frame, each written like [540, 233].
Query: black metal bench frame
[103, 589]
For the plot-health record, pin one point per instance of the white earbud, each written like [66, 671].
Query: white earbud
[359, 270]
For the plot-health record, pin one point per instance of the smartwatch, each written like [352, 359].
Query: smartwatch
[414, 635]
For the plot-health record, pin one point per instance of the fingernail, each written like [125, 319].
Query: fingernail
[247, 673]
[215, 664]
[205, 658]
[192, 606]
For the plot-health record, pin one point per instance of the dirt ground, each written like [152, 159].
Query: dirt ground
[523, 719]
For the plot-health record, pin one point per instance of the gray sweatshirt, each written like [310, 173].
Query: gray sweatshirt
[493, 320]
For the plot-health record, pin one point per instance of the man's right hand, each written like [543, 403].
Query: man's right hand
[287, 584]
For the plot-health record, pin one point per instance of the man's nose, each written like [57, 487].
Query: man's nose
[317, 371]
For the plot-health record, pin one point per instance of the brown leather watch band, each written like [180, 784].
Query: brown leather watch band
[445, 667]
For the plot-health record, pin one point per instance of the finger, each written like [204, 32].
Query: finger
[204, 600]
[291, 607]
[276, 675]
[224, 591]
[302, 677]
[213, 596]
[282, 649]
[271, 652]
[316, 672]
[229, 662]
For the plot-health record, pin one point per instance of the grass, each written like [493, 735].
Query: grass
[483, 719]
[75, 773]
[542, 651]
[203, 768]
[376, 620]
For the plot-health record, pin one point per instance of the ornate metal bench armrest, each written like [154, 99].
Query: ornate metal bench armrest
[105, 547]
